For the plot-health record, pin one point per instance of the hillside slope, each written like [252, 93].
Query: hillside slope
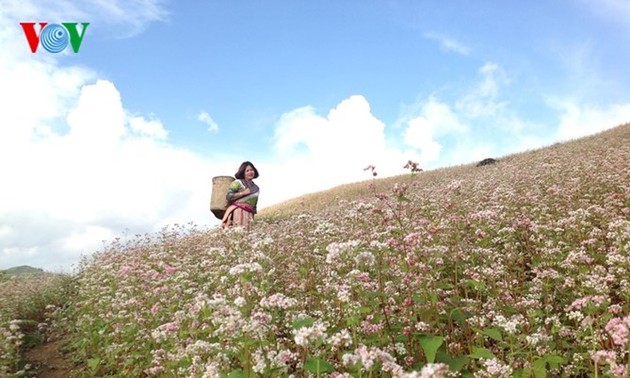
[519, 268]
[23, 270]
[584, 154]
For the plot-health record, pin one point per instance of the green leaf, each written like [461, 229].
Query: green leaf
[554, 359]
[237, 374]
[93, 363]
[300, 323]
[481, 353]
[419, 299]
[459, 316]
[250, 343]
[493, 333]
[430, 345]
[434, 298]
[374, 294]
[445, 285]
[455, 364]
[522, 373]
[317, 365]
[365, 310]
[478, 285]
[540, 370]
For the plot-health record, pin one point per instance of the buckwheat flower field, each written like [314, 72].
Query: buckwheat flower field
[519, 268]
[27, 307]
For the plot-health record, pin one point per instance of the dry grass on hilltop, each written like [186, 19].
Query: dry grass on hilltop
[320, 201]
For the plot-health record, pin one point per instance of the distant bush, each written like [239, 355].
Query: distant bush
[487, 161]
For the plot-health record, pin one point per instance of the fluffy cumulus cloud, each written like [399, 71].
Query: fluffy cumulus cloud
[482, 122]
[151, 128]
[457, 132]
[106, 174]
[436, 119]
[578, 120]
[320, 151]
[77, 168]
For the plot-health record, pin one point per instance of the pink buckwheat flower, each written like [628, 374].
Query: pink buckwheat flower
[603, 356]
[617, 328]
[170, 327]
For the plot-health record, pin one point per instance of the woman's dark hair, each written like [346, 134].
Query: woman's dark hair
[240, 174]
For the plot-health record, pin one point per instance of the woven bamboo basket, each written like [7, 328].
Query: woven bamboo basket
[218, 202]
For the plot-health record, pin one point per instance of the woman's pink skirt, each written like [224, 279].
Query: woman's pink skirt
[235, 217]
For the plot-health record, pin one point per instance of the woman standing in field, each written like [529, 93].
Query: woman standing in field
[242, 195]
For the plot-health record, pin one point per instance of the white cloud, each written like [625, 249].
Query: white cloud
[152, 128]
[419, 135]
[483, 100]
[448, 44]
[436, 119]
[207, 119]
[105, 174]
[90, 237]
[477, 125]
[578, 120]
[77, 168]
[314, 152]
[481, 123]
[98, 119]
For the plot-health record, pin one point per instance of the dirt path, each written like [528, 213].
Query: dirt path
[49, 361]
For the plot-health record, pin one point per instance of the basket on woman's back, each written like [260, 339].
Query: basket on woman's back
[218, 201]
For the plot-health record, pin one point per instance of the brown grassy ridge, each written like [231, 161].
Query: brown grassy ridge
[322, 200]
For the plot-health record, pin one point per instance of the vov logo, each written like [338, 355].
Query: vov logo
[54, 38]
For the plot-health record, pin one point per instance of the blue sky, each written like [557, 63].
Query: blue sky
[124, 137]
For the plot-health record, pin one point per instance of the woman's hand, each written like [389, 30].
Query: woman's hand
[245, 192]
